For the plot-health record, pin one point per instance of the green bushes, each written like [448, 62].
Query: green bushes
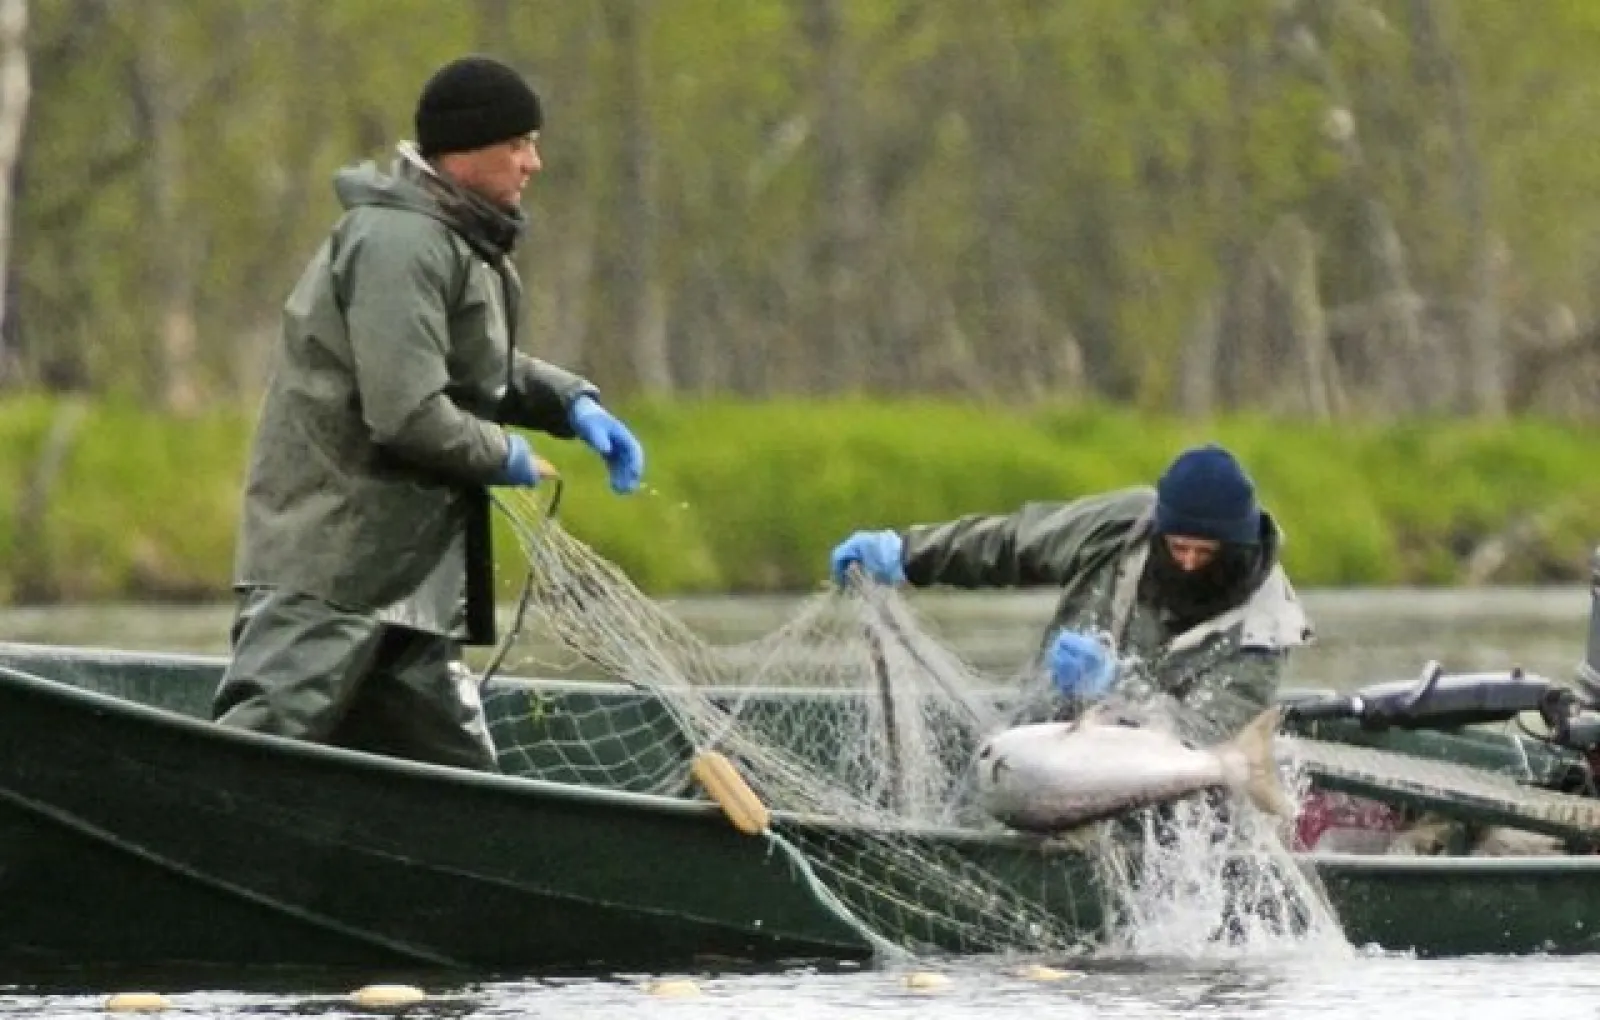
[752, 497]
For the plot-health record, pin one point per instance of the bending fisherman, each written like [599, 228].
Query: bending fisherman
[1183, 582]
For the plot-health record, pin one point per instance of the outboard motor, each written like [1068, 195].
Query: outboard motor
[1435, 700]
[1570, 714]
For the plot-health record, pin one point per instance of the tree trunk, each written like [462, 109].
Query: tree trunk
[15, 89]
[1399, 343]
[1020, 358]
[1484, 353]
[643, 311]
[843, 356]
[1218, 337]
[1197, 380]
[560, 268]
[173, 355]
[1295, 259]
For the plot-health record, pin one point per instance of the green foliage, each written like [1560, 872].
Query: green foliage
[23, 424]
[1094, 171]
[746, 497]
[141, 504]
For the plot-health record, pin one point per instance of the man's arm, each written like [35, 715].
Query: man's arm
[541, 396]
[1040, 544]
[394, 287]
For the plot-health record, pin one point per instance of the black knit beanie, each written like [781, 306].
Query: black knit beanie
[473, 102]
[1204, 493]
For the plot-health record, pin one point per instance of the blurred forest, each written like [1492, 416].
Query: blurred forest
[1316, 208]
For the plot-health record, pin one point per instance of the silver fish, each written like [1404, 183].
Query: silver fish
[1048, 777]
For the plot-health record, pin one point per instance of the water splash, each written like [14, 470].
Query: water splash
[1211, 878]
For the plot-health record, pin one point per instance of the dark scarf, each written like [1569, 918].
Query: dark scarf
[492, 231]
[1186, 599]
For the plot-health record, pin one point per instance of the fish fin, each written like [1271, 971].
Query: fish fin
[1073, 725]
[1253, 748]
[1101, 714]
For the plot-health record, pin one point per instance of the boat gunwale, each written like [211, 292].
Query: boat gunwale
[1405, 864]
[527, 786]
[163, 717]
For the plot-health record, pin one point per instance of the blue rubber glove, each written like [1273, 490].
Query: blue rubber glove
[519, 468]
[1081, 666]
[611, 439]
[878, 552]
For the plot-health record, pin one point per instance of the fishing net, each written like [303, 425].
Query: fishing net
[851, 724]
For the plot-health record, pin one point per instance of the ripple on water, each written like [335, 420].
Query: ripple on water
[1367, 985]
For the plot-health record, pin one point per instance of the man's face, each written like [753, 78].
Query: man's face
[498, 172]
[1192, 554]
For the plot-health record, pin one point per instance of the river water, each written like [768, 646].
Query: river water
[1362, 637]
[1371, 988]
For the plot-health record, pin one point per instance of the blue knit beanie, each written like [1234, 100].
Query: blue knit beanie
[1206, 494]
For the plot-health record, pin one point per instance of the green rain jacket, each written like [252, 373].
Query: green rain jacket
[1222, 671]
[378, 434]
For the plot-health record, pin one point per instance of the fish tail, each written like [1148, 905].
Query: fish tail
[1251, 753]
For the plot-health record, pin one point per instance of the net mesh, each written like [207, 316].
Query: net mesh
[849, 722]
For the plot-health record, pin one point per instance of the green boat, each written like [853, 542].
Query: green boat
[135, 832]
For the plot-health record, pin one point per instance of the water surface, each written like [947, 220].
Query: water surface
[1370, 987]
[1361, 635]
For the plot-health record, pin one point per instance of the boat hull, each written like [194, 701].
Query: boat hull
[132, 836]
[1465, 906]
[139, 835]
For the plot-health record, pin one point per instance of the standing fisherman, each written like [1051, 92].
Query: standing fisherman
[363, 557]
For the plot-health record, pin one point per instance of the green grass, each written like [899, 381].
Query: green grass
[745, 497]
